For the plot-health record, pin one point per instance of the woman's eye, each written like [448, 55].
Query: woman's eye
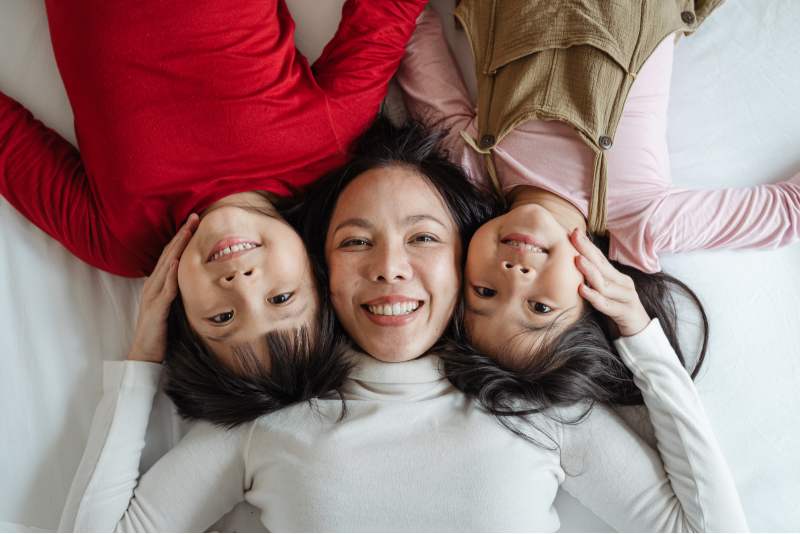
[354, 243]
[538, 307]
[222, 317]
[280, 299]
[485, 292]
[425, 239]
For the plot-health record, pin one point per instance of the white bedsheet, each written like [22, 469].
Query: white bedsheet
[735, 121]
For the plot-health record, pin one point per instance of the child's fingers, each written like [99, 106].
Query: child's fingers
[600, 302]
[594, 255]
[172, 251]
[608, 288]
[170, 290]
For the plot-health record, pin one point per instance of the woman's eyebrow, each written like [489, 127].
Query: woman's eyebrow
[414, 219]
[361, 223]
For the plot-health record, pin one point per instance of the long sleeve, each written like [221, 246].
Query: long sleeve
[434, 91]
[764, 216]
[42, 176]
[188, 489]
[685, 486]
[356, 65]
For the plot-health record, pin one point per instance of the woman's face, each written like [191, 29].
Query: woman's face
[393, 254]
[242, 275]
[520, 276]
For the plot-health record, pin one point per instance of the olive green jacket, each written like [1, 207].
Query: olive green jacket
[567, 60]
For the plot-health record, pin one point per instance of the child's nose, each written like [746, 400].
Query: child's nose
[521, 268]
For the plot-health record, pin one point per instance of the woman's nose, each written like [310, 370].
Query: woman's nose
[390, 264]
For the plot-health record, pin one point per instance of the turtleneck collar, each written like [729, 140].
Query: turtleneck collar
[415, 380]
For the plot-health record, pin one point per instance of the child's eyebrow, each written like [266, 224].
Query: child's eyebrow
[524, 325]
[477, 311]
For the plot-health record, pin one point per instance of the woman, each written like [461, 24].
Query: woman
[411, 452]
[528, 308]
[196, 108]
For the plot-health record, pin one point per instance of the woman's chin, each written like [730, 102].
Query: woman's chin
[392, 354]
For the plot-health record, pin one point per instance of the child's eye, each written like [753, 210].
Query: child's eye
[485, 292]
[280, 299]
[538, 307]
[222, 318]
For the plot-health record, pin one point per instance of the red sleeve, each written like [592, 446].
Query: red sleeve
[355, 67]
[42, 176]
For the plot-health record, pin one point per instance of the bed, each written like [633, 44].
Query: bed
[734, 121]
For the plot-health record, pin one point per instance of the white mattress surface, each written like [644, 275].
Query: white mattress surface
[734, 121]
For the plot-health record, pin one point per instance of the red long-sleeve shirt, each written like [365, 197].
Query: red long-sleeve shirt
[178, 104]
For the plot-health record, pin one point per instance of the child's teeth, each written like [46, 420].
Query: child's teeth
[515, 243]
[233, 248]
[399, 308]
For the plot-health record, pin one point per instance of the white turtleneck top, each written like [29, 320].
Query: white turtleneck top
[413, 454]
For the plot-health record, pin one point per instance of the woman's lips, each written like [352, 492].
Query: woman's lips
[395, 310]
[523, 243]
[231, 247]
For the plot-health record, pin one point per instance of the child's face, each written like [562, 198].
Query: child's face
[238, 297]
[512, 288]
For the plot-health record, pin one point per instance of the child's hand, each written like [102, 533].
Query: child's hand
[611, 292]
[160, 289]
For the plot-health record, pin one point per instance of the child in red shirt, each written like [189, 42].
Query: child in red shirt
[200, 107]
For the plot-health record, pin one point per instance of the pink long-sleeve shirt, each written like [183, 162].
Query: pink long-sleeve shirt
[647, 215]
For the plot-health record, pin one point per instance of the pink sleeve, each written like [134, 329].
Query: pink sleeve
[764, 217]
[356, 65]
[434, 91]
[42, 176]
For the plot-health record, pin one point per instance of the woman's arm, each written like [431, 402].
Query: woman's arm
[192, 485]
[187, 490]
[42, 176]
[686, 485]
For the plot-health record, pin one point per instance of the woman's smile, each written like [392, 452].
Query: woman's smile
[394, 310]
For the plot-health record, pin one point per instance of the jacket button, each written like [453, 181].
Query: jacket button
[605, 142]
[687, 17]
[487, 141]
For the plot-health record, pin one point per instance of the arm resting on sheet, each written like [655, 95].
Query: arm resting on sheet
[188, 489]
[624, 481]
[759, 217]
[356, 65]
[42, 176]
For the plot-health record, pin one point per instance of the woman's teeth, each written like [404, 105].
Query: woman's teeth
[398, 308]
[514, 243]
[235, 248]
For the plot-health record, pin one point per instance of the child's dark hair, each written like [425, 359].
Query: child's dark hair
[572, 365]
[411, 145]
